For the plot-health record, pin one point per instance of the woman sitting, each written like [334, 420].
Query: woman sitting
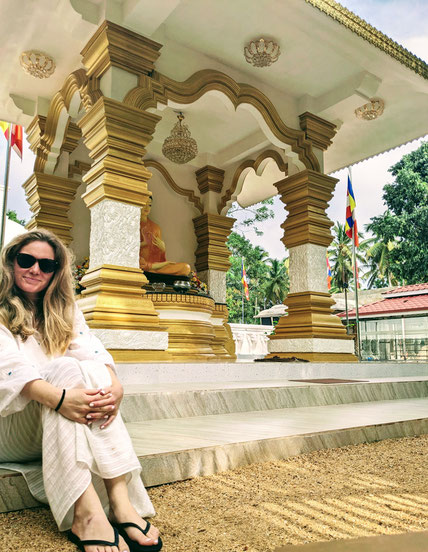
[59, 402]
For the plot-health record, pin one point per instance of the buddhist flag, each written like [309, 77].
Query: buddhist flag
[329, 276]
[15, 138]
[351, 220]
[245, 281]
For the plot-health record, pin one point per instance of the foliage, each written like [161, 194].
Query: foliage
[380, 267]
[260, 270]
[78, 272]
[405, 222]
[340, 257]
[278, 284]
[257, 213]
[12, 215]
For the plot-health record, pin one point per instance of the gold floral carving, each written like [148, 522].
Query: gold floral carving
[318, 130]
[252, 164]
[212, 232]
[210, 179]
[160, 89]
[306, 196]
[151, 163]
[371, 34]
[50, 198]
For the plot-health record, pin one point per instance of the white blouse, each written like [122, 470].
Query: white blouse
[22, 362]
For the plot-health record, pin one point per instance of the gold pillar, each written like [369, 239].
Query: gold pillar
[223, 343]
[212, 232]
[50, 198]
[310, 322]
[116, 136]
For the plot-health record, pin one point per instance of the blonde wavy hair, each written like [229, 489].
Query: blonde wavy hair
[53, 314]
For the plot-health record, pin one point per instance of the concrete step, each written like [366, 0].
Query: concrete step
[182, 400]
[177, 449]
[184, 430]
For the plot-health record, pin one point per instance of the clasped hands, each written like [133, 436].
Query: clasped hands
[86, 406]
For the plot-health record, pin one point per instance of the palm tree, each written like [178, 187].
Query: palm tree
[340, 256]
[380, 267]
[278, 282]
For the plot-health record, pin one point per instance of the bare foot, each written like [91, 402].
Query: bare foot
[97, 527]
[127, 514]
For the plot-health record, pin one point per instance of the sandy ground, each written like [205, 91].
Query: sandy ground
[362, 490]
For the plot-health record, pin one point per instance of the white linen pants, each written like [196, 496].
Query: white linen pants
[72, 454]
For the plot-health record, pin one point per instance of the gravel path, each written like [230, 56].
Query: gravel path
[362, 490]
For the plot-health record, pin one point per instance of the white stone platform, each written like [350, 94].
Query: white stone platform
[227, 419]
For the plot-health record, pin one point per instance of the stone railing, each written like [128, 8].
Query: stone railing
[250, 340]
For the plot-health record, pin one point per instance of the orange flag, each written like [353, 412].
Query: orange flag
[15, 138]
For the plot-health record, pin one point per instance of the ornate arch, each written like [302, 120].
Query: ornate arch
[171, 182]
[258, 165]
[76, 91]
[160, 89]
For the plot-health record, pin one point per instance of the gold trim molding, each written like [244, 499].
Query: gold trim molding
[306, 196]
[49, 198]
[114, 46]
[151, 163]
[160, 89]
[252, 164]
[318, 130]
[366, 31]
[212, 232]
[210, 179]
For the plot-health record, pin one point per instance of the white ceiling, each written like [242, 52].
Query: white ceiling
[324, 68]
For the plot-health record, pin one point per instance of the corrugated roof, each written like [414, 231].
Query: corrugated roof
[407, 289]
[392, 305]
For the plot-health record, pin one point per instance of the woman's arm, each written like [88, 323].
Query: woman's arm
[76, 404]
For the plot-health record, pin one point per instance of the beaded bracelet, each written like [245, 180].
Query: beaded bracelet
[61, 400]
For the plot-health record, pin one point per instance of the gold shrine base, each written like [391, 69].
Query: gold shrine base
[316, 357]
[197, 331]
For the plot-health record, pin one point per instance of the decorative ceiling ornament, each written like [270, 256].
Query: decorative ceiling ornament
[261, 52]
[37, 64]
[371, 110]
[179, 147]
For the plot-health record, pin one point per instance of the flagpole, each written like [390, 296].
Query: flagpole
[242, 288]
[6, 185]
[357, 319]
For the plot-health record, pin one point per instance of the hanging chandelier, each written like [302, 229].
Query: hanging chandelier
[261, 52]
[371, 110]
[179, 147]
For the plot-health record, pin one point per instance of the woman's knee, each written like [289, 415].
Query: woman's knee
[64, 372]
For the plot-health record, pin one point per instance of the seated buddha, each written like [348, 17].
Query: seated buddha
[152, 248]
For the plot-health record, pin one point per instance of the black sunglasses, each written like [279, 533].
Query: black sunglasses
[46, 265]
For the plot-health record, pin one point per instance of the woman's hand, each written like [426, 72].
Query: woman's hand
[77, 404]
[106, 408]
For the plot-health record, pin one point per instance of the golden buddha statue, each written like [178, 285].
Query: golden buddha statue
[152, 248]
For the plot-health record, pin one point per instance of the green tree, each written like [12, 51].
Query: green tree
[12, 215]
[405, 222]
[380, 267]
[340, 257]
[259, 212]
[256, 268]
[278, 283]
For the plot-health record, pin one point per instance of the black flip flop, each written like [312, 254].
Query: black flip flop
[82, 543]
[134, 546]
